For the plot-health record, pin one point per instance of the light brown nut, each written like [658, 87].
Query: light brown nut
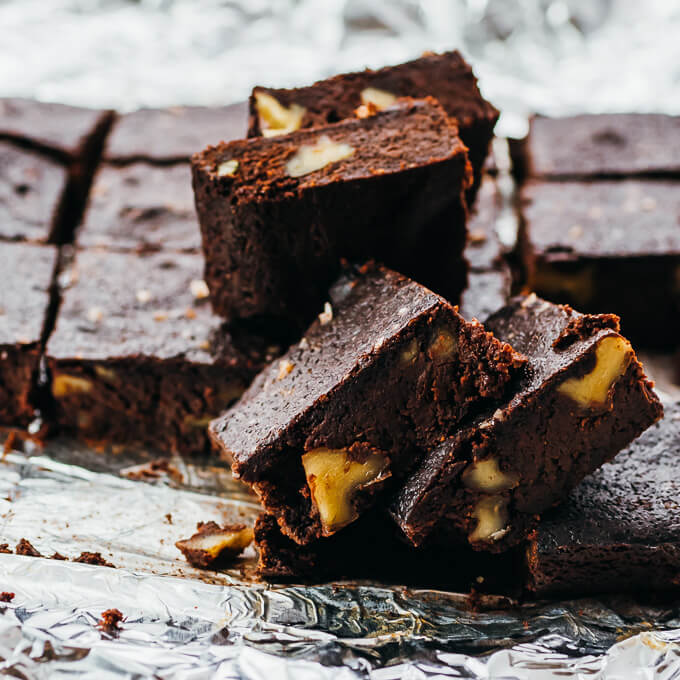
[410, 353]
[213, 542]
[443, 345]
[64, 385]
[612, 356]
[491, 513]
[312, 157]
[107, 374]
[334, 480]
[485, 475]
[580, 284]
[227, 168]
[381, 99]
[276, 119]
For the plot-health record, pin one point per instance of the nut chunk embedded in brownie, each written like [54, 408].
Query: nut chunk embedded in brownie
[278, 214]
[137, 356]
[583, 398]
[382, 374]
[27, 272]
[446, 77]
[619, 530]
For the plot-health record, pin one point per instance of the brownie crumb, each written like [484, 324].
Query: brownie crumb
[582, 327]
[58, 556]
[4, 548]
[154, 469]
[110, 621]
[6, 597]
[213, 543]
[25, 548]
[93, 558]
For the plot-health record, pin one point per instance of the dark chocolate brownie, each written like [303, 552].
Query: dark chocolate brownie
[138, 356]
[141, 206]
[608, 246]
[382, 374]
[172, 135]
[32, 189]
[278, 214]
[447, 77]
[583, 398]
[27, 272]
[604, 145]
[619, 530]
[486, 293]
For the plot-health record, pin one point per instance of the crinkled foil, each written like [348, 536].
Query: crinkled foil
[532, 55]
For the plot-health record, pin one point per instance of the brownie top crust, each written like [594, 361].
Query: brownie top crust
[27, 272]
[31, 188]
[173, 134]
[604, 145]
[405, 135]
[603, 219]
[54, 128]
[119, 305]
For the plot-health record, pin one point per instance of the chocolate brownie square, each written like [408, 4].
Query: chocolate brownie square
[279, 214]
[172, 135]
[583, 398]
[447, 77]
[137, 356]
[619, 530]
[381, 376]
[27, 273]
[141, 206]
[608, 246]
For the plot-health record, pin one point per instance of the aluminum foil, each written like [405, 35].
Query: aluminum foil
[553, 56]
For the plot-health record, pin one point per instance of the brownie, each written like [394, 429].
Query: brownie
[486, 293]
[277, 215]
[137, 356]
[603, 145]
[141, 207]
[446, 77]
[619, 530]
[583, 397]
[171, 135]
[387, 369]
[32, 189]
[608, 246]
[27, 272]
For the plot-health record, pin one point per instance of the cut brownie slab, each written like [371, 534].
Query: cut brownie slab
[278, 214]
[137, 355]
[447, 77]
[32, 189]
[25, 300]
[608, 245]
[172, 135]
[377, 379]
[583, 398]
[619, 530]
[141, 207]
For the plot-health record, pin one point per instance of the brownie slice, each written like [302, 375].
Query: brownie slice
[278, 214]
[171, 135]
[382, 374]
[608, 245]
[32, 189]
[604, 145]
[583, 398]
[446, 77]
[137, 356]
[27, 272]
[619, 530]
[141, 207]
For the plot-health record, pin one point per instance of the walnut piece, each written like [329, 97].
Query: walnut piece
[612, 356]
[579, 285]
[276, 119]
[485, 475]
[443, 345]
[227, 168]
[491, 513]
[64, 385]
[212, 543]
[381, 99]
[312, 157]
[410, 353]
[334, 480]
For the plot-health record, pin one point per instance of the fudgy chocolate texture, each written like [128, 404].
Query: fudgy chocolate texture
[604, 145]
[141, 207]
[274, 242]
[369, 388]
[31, 195]
[582, 399]
[619, 530]
[137, 356]
[447, 77]
[172, 135]
[608, 245]
[27, 272]
[486, 293]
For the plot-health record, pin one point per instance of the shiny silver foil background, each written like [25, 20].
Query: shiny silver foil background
[554, 57]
